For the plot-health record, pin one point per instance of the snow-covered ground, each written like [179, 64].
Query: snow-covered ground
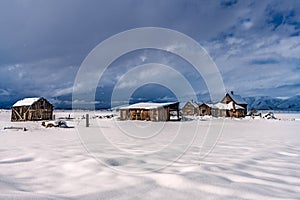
[253, 159]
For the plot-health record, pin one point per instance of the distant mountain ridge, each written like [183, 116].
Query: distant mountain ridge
[257, 102]
[272, 103]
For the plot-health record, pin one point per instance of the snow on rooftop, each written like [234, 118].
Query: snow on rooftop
[208, 104]
[148, 105]
[26, 101]
[224, 106]
[220, 106]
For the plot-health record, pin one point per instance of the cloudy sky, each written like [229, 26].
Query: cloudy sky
[255, 44]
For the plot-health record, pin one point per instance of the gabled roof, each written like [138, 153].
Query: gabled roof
[208, 104]
[148, 105]
[26, 101]
[193, 103]
[237, 98]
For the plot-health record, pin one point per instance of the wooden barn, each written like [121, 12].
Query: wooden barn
[205, 109]
[191, 108]
[237, 100]
[32, 109]
[150, 111]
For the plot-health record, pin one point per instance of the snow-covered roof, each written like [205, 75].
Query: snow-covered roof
[26, 101]
[224, 106]
[148, 105]
[208, 104]
[237, 98]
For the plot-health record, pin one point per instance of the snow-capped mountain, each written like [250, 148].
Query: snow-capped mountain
[271, 103]
[258, 102]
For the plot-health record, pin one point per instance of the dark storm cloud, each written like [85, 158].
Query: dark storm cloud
[228, 3]
[44, 42]
[33, 29]
[264, 61]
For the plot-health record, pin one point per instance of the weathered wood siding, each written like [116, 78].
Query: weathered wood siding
[237, 113]
[227, 99]
[219, 112]
[190, 110]
[227, 113]
[157, 114]
[204, 110]
[124, 114]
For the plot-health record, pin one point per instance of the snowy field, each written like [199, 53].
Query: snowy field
[252, 159]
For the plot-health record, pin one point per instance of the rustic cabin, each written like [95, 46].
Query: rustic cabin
[150, 111]
[205, 109]
[32, 109]
[227, 110]
[237, 100]
[191, 108]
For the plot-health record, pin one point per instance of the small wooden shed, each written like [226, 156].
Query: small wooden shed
[205, 109]
[32, 109]
[150, 111]
[191, 108]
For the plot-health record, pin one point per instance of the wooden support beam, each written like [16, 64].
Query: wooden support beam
[87, 124]
[20, 118]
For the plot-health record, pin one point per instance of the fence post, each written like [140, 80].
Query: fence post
[87, 120]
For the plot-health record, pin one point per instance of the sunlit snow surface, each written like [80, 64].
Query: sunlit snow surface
[253, 159]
